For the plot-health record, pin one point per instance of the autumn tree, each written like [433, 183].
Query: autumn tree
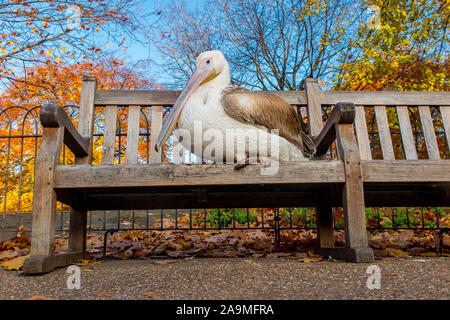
[409, 50]
[33, 30]
[59, 82]
[270, 45]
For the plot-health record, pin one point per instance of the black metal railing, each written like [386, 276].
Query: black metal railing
[20, 134]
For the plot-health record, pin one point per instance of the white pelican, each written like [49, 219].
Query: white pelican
[209, 99]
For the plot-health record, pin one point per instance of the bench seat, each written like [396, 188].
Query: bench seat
[309, 183]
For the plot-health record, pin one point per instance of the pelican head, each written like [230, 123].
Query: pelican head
[211, 70]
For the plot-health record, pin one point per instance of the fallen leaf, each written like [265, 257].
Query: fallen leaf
[14, 264]
[174, 246]
[39, 298]
[86, 262]
[163, 262]
[159, 250]
[301, 255]
[150, 295]
[106, 293]
[307, 260]
[396, 252]
[428, 254]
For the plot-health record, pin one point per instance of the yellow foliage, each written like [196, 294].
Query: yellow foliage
[14, 264]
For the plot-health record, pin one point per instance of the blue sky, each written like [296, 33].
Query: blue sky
[145, 53]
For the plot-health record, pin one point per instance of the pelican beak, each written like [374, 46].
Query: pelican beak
[201, 75]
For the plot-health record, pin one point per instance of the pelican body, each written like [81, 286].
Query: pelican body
[254, 124]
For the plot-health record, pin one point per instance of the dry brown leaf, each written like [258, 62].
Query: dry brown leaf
[106, 293]
[307, 260]
[163, 262]
[39, 298]
[396, 252]
[86, 262]
[150, 295]
[428, 254]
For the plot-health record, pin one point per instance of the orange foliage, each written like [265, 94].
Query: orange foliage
[61, 84]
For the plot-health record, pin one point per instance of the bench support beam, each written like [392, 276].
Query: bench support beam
[44, 199]
[325, 227]
[78, 218]
[339, 127]
[356, 244]
[44, 264]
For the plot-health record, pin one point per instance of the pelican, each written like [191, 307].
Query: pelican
[210, 100]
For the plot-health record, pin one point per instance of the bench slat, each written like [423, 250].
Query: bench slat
[428, 132]
[169, 175]
[386, 98]
[100, 176]
[445, 113]
[384, 133]
[157, 118]
[314, 107]
[134, 113]
[165, 97]
[362, 134]
[409, 145]
[109, 135]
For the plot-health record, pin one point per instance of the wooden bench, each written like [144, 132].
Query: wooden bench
[353, 182]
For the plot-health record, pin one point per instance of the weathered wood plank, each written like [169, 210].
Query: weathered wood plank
[44, 196]
[77, 228]
[409, 145]
[343, 112]
[314, 107]
[100, 176]
[134, 113]
[165, 97]
[157, 118]
[428, 132]
[353, 190]
[41, 264]
[325, 223]
[387, 98]
[384, 133]
[445, 114]
[361, 133]
[186, 175]
[53, 116]
[109, 135]
[406, 171]
[86, 116]
[385, 194]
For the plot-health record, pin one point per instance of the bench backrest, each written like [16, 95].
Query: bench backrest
[316, 102]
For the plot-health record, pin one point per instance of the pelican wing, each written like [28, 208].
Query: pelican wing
[267, 110]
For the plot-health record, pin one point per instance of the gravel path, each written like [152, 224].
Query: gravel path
[238, 278]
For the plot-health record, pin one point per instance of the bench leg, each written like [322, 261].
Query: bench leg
[356, 244]
[42, 258]
[77, 231]
[325, 227]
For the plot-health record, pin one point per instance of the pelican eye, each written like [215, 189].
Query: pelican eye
[207, 61]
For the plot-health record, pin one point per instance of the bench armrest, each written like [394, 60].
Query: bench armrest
[342, 113]
[53, 116]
